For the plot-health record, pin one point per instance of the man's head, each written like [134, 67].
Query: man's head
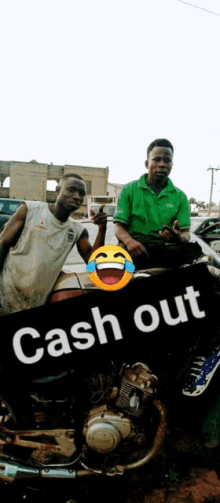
[159, 160]
[71, 191]
[159, 143]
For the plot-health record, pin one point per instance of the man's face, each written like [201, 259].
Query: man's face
[159, 163]
[71, 193]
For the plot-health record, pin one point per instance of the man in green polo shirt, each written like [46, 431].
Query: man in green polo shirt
[153, 217]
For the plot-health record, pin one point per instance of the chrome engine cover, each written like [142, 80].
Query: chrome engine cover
[106, 429]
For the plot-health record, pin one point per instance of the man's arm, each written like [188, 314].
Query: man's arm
[11, 232]
[134, 247]
[84, 246]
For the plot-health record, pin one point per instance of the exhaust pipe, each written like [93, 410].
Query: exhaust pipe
[58, 473]
[11, 471]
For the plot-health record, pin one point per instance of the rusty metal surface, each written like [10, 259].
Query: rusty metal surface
[157, 441]
[31, 439]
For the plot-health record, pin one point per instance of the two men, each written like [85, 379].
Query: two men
[153, 217]
[36, 241]
[38, 238]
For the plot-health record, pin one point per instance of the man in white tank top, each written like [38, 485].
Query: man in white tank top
[36, 241]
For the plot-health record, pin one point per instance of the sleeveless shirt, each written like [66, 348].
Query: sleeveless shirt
[32, 266]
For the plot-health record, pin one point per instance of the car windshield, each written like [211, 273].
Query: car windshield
[8, 207]
[12, 207]
[195, 223]
[80, 266]
[204, 223]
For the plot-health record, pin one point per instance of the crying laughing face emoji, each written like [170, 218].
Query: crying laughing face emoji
[110, 267]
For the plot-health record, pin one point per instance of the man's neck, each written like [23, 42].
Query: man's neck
[58, 212]
[158, 186]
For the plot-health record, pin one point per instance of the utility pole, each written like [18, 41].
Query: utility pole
[211, 189]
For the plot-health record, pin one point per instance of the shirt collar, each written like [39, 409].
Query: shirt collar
[142, 183]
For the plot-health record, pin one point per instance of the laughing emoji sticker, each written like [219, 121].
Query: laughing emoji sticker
[110, 267]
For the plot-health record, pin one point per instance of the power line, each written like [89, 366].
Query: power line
[201, 8]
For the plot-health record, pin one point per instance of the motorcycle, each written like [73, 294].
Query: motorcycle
[73, 426]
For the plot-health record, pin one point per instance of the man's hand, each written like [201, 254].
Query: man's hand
[175, 233]
[99, 218]
[135, 248]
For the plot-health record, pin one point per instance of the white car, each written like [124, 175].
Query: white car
[208, 229]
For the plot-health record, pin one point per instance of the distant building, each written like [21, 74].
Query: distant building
[215, 211]
[114, 189]
[28, 180]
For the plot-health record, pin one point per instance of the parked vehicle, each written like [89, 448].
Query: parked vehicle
[207, 228]
[94, 202]
[7, 208]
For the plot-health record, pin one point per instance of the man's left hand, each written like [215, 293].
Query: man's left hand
[99, 218]
[175, 233]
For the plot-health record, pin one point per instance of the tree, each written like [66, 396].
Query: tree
[212, 204]
[191, 201]
[200, 204]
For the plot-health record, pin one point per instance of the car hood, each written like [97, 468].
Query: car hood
[207, 250]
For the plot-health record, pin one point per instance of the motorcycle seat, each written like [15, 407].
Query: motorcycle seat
[48, 379]
[72, 284]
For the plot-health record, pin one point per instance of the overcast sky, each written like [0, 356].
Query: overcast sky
[93, 82]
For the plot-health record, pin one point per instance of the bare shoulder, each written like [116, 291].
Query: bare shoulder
[13, 228]
[21, 211]
[19, 216]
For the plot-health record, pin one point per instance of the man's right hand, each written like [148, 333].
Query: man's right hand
[136, 249]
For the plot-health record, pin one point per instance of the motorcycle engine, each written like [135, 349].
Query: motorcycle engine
[106, 427]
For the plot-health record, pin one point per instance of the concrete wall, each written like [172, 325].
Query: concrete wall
[28, 180]
[96, 178]
[4, 192]
[114, 189]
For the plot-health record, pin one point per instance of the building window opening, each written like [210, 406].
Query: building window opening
[6, 183]
[51, 185]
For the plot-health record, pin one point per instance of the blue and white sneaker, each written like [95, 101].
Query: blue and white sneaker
[201, 373]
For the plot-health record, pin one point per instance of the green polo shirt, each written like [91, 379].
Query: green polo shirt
[145, 212]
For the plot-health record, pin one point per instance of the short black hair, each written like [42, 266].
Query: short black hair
[159, 143]
[70, 175]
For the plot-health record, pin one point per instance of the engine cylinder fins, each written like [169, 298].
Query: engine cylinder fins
[103, 437]
[132, 399]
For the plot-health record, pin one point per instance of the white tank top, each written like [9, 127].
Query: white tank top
[32, 266]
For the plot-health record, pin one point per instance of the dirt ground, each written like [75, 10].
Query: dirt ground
[183, 472]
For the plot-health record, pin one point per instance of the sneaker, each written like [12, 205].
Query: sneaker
[201, 373]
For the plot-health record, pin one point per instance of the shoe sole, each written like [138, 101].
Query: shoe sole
[197, 393]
